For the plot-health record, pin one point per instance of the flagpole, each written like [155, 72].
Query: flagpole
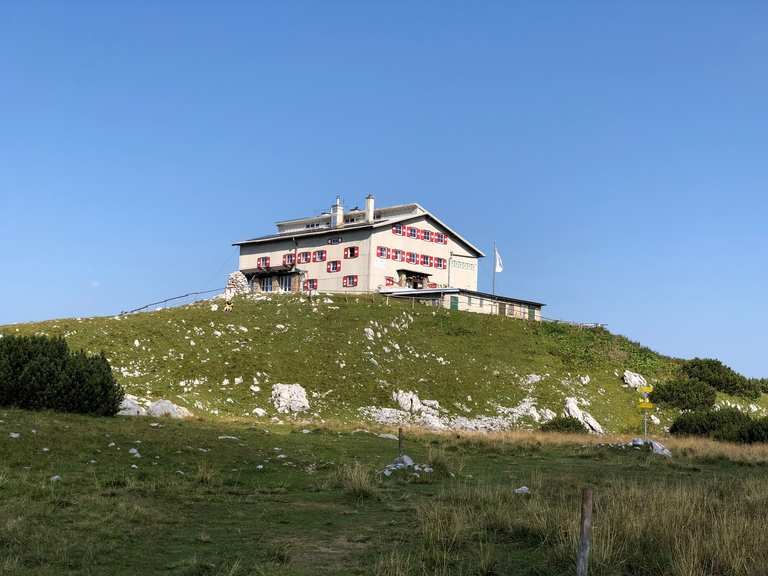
[494, 267]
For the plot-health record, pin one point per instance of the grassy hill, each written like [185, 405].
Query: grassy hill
[351, 352]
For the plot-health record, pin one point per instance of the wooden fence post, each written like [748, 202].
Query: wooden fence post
[582, 563]
[400, 441]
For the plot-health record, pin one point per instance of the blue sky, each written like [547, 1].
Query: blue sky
[616, 152]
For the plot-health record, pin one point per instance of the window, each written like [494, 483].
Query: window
[438, 238]
[389, 281]
[262, 262]
[319, 256]
[305, 257]
[413, 232]
[334, 240]
[349, 281]
[352, 252]
[266, 284]
[310, 284]
[398, 255]
[334, 266]
[440, 263]
[382, 252]
[289, 259]
[412, 258]
[398, 229]
[285, 281]
[426, 235]
[426, 260]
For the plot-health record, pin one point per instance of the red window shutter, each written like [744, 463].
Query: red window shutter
[328, 267]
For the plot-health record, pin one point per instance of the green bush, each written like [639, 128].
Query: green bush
[725, 424]
[564, 424]
[685, 394]
[755, 431]
[721, 377]
[38, 373]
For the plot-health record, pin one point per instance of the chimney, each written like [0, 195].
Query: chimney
[337, 214]
[369, 208]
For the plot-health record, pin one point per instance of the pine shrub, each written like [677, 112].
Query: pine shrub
[564, 424]
[685, 394]
[721, 377]
[725, 424]
[38, 373]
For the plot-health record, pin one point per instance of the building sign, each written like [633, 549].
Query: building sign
[461, 265]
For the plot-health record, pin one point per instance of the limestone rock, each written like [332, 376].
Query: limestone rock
[572, 409]
[289, 398]
[130, 407]
[160, 408]
[633, 379]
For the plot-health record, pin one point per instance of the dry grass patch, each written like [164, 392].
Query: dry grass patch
[357, 480]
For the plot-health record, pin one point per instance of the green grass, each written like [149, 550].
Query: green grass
[197, 504]
[470, 363]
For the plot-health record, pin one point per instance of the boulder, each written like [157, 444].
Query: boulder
[289, 398]
[130, 407]
[633, 379]
[160, 408]
[572, 409]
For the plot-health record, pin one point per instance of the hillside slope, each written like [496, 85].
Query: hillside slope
[350, 353]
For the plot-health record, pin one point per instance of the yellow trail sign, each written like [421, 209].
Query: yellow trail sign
[647, 405]
[645, 389]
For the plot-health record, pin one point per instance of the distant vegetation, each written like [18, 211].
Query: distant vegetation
[685, 394]
[40, 373]
[722, 378]
[727, 424]
[564, 424]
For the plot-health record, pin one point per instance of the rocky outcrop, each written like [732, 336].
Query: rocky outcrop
[130, 407]
[633, 379]
[288, 398]
[572, 409]
[167, 408]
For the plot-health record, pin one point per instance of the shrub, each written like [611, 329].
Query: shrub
[721, 377]
[755, 431]
[685, 394]
[86, 385]
[564, 424]
[724, 424]
[38, 373]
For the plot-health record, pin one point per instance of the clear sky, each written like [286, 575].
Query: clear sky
[617, 152]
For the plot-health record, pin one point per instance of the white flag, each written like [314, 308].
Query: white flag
[499, 263]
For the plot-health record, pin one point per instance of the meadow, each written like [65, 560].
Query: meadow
[86, 495]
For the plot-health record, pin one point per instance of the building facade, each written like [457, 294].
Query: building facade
[360, 251]
[397, 248]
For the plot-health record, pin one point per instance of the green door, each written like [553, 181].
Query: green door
[454, 302]
[531, 313]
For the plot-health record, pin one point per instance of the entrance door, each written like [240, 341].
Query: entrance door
[454, 302]
[285, 282]
[502, 309]
[531, 313]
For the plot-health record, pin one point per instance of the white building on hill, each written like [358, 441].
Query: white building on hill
[402, 251]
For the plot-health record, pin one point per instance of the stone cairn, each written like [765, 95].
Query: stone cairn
[237, 284]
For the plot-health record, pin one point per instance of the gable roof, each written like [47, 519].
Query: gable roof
[380, 223]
